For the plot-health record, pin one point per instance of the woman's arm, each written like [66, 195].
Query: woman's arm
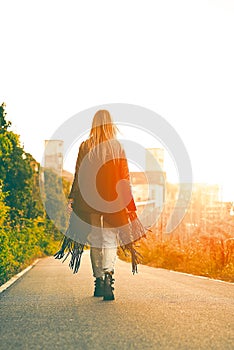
[124, 173]
[74, 188]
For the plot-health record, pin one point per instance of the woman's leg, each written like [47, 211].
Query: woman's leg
[103, 252]
[95, 238]
[109, 258]
[103, 246]
[96, 261]
[109, 249]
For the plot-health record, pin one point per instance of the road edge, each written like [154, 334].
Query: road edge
[13, 279]
[202, 277]
[184, 273]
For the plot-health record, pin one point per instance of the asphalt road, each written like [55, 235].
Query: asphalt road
[50, 308]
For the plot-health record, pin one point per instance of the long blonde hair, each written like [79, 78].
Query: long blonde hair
[102, 131]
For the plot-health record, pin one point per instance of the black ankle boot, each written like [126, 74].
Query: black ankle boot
[99, 287]
[108, 289]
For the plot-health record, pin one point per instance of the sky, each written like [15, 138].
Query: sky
[173, 57]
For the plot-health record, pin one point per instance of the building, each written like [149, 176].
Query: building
[206, 201]
[148, 187]
[53, 155]
[154, 159]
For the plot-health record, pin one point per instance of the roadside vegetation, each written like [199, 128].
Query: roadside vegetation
[205, 249]
[26, 232]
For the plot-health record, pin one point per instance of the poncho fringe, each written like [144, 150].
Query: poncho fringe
[75, 249]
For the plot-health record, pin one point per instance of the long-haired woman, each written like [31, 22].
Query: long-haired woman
[101, 196]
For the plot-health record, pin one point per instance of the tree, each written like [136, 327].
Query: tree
[3, 123]
[18, 174]
[55, 201]
[25, 231]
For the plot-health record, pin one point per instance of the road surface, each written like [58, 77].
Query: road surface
[50, 308]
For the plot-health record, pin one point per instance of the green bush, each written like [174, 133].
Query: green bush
[20, 246]
[25, 231]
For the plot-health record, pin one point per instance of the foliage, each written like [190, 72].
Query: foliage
[210, 255]
[21, 245]
[18, 174]
[55, 201]
[203, 242]
[25, 230]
